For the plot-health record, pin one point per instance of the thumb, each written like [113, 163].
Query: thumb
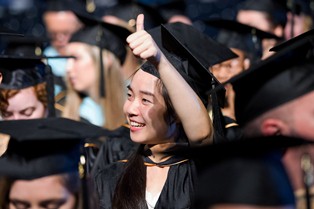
[140, 22]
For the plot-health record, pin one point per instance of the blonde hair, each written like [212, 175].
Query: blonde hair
[112, 104]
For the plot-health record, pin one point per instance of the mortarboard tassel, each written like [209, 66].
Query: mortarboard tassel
[50, 92]
[218, 122]
[102, 74]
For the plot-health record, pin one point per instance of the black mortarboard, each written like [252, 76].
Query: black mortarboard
[8, 32]
[24, 46]
[58, 5]
[307, 36]
[243, 172]
[192, 57]
[4, 33]
[42, 147]
[129, 10]
[105, 36]
[241, 36]
[69, 5]
[298, 7]
[284, 76]
[20, 73]
[171, 8]
[276, 9]
[242, 180]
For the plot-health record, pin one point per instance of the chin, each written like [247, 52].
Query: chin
[138, 140]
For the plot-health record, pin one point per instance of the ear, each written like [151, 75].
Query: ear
[246, 63]
[0, 77]
[272, 127]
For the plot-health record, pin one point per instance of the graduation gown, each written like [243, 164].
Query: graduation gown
[117, 146]
[177, 192]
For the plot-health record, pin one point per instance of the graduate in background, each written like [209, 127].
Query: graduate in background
[268, 15]
[246, 42]
[40, 166]
[60, 23]
[275, 97]
[25, 91]
[95, 82]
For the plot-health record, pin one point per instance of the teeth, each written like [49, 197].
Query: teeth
[135, 124]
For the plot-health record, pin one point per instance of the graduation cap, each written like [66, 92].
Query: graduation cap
[192, 57]
[243, 180]
[276, 9]
[284, 76]
[298, 7]
[103, 35]
[69, 5]
[58, 5]
[43, 147]
[308, 36]
[24, 46]
[8, 32]
[171, 8]
[4, 33]
[241, 36]
[20, 73]
[243, 172]
[129, 10]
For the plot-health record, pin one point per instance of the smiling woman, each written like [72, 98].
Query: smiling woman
[165, 109]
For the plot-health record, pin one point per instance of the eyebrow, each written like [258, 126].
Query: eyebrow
[142, 91]
[58, 201]
[15, 201]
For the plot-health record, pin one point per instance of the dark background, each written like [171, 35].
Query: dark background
[25, 16]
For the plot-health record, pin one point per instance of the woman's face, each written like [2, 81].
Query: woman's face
[47, 192]
[81, 71]
[24, 105]
[145, 109]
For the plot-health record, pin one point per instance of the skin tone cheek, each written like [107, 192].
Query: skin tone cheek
[81, 71]
[303, 122]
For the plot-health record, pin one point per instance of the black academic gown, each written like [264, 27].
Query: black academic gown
[117, 146]
[232, 129]
[177, 192]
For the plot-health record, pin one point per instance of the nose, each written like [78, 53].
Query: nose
[69, 65]
[17, 117]
[131, 108]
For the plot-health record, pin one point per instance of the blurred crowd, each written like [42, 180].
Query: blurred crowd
[166, 104]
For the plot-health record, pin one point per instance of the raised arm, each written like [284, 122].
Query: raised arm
[189, 108]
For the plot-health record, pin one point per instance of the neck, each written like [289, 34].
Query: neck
[157, 152]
